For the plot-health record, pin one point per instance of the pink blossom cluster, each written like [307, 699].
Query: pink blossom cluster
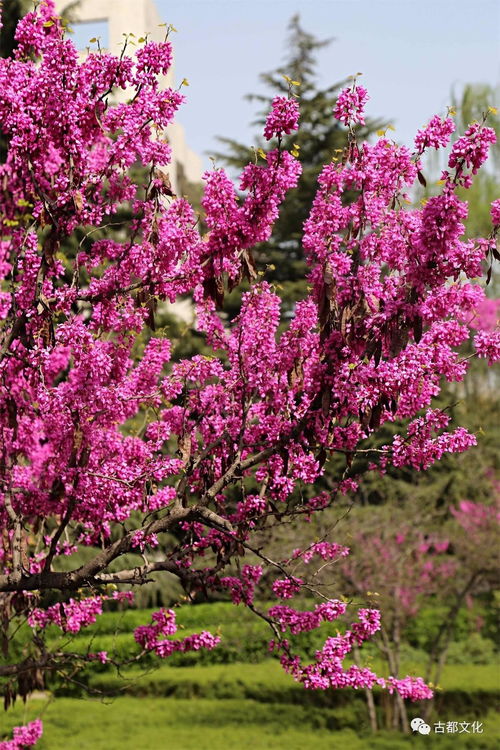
[319, 501]
[123, 596]
[283, 117]
[153, 59]
[242, 589]
[471, 150]
[25, 736]
[164, 624]
[412, 688]
[327, 670]
[251, 507]
[423, 445]
[141, 539]
[76, 613]
[101, 656]
[301, 622]
[286, 588]
[436, 134]
[487, 345]
[495, 212]
[234, 226]
[70, 617]
[350, 105]
[325, 550]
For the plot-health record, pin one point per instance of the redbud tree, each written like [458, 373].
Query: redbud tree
[401, 562]
[226, 441]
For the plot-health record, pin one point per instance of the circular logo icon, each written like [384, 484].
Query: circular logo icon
[419, 725]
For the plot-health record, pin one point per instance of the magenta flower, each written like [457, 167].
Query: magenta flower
[436, 134]
[349, 108]
[495, 212]
[283, 117]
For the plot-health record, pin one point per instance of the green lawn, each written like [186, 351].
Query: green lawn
[164, 724]
[254, 706]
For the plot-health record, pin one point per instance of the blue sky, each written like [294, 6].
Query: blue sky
[411, 53]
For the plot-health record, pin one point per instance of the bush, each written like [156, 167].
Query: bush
[474, 650]
[423, 628]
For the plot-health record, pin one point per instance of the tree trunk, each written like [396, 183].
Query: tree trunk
[370, 702]
[437, 656]
[399, 713]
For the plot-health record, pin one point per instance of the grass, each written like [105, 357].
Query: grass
[163, 724]
[245, 705]
[254, 706]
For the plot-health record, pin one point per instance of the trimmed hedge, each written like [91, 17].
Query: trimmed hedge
[468, 691]
[244, 639]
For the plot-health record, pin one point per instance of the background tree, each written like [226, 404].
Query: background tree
[423, 560]
[12, 12]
